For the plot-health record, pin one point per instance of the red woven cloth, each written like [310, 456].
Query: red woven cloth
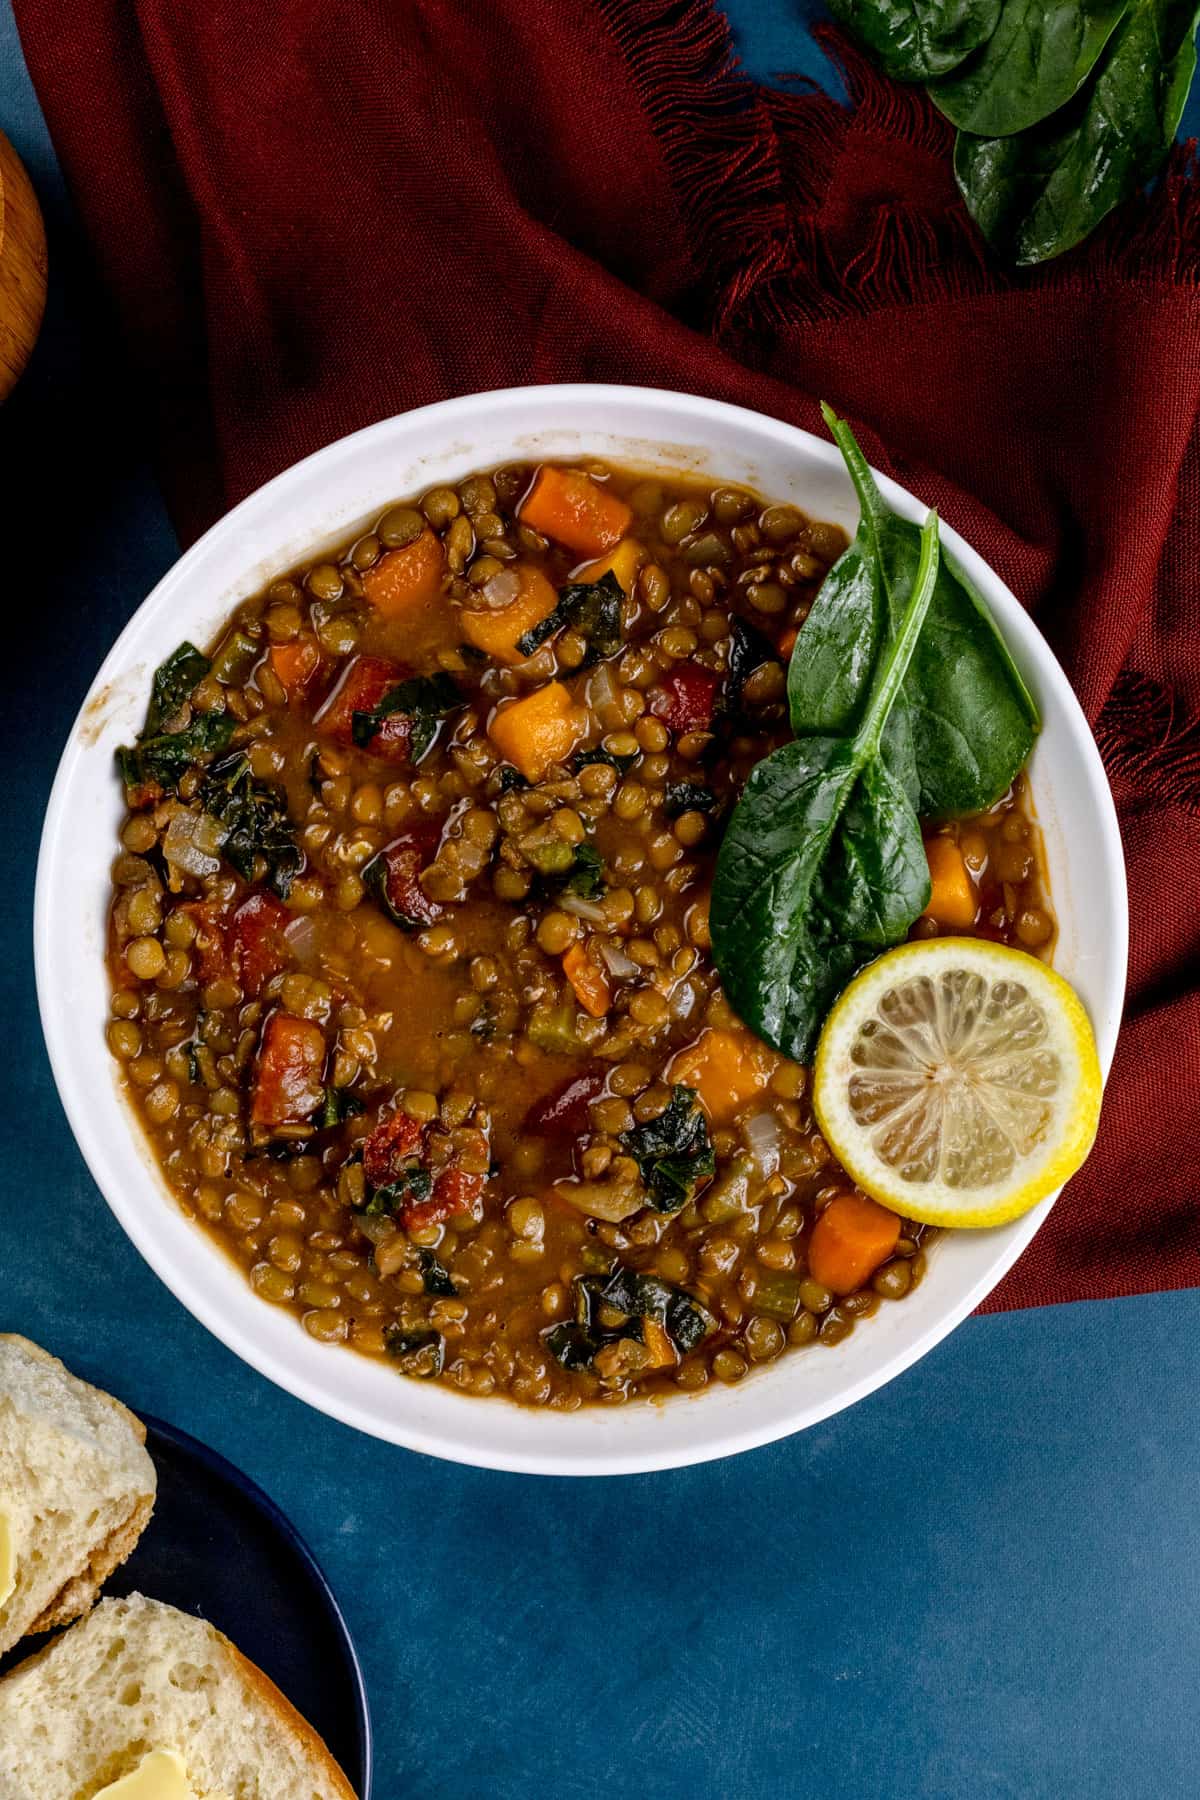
[312, 215]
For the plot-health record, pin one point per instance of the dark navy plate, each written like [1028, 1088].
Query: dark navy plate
[218, 1547]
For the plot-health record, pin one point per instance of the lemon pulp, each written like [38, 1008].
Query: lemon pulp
[957, 1081]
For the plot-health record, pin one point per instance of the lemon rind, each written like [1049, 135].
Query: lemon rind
[1067, 1156]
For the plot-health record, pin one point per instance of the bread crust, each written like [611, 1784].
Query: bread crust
[315, 1747]
[81, 1588]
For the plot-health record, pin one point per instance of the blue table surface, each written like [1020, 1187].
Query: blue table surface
[981, 1581]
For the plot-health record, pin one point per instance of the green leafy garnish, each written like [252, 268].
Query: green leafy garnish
[592, 608]
[1065, 108]
[1042, 191]
[173, 682]
[339, 1104]
[963, 724]
[687, 796]
[426, 699]
[822, 861]
[672, 1152]
[918, 40]
[256, 821]
[1037, 58]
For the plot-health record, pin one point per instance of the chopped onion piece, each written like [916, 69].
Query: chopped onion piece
[583, 909]
[611, 1201]
[302, 938]
[762, 1139]
[193, 841]
[601, 688]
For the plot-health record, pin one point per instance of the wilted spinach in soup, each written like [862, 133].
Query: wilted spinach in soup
[412, 975]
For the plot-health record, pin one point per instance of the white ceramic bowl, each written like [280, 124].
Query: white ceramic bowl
[327, 499]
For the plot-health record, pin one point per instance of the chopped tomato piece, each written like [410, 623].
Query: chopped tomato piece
[406, 578]
[563, 1112]
[395, 875]
[211, 943]
[296, 663]
[288, 1085]
[454, 1191]
[686, 698]
[571, 508]
[363, 685]
[387, 1151]
[256, 934]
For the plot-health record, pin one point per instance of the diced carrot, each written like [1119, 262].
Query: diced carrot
[496, 633]
[953, 900]
[406, 578]
[623, 562]
[787, 642]
[571, 508]
[288, 1084]
[591, 984]
[849, 1241]
[726, 1068]
[295, 663]
[662, 1350]
[540, 730]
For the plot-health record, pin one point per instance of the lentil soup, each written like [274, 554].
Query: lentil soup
[411, 974]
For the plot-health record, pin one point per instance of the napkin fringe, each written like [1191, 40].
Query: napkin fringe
[1145, 736]
[754, 168]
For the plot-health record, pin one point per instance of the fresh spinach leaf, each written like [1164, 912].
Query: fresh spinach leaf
[1038, 57]
[672, 1152]
[964, 722]
[162, 760]
[592, 608]
[822, 861]
[172, 685]
[687, 796]
[425, 698]
[1038, 194]
[918, 40]
[256, 821]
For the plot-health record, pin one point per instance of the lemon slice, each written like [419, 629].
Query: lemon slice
[957, 1081]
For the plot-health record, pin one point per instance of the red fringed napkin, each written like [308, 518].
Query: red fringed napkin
[314, 215]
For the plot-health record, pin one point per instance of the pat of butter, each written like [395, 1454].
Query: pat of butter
[162, 1775]
[8, 1562]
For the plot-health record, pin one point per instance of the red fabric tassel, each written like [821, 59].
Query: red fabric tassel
[312, 216]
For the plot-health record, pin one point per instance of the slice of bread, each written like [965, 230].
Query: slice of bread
[76, 1488]
[137, 1676]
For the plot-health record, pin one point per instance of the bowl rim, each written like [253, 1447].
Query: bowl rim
[83, 1112]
